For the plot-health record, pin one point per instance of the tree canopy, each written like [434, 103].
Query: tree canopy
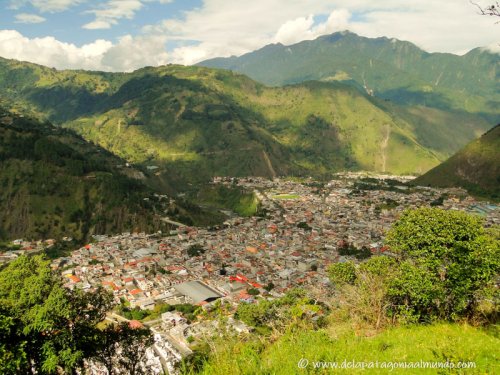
[46, 328]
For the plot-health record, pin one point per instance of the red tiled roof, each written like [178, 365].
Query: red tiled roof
[135, 324]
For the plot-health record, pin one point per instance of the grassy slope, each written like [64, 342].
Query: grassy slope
[392, 69]
[434, 343]
[243, 203]
[476, 167]
[198, 122]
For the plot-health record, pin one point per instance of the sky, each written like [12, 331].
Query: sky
[124, 35]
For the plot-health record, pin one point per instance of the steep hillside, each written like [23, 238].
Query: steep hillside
[476, 168]
[55, 184]
[388, 68]
[243, 202]
[193, 123]
[321, 351]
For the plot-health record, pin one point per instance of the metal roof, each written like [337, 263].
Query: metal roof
[198, 291]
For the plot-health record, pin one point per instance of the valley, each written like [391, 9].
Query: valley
[332, 202]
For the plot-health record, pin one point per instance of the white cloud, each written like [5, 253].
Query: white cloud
[50, 52]
[134, 53]
[127, 55]
[46, 5]
[337, 21]
[28, 18]
[300, 29]
[100, 24]
[294, 31]
[112, 11]
[224, 28]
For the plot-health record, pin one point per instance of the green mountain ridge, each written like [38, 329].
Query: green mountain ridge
[194, 123]
[388, 68]
[55, 184]
[475, 167]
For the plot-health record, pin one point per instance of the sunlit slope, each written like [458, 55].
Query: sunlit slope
[228, 124]
[195, 122]
[476, 168]
[388, 68]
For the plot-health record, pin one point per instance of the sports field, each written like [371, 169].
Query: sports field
[285, 196]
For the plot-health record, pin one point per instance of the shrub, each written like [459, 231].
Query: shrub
[445, 269]
[342, 273]
[447, 261]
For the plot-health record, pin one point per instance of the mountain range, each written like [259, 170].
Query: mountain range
[387, 68]
[191, 123]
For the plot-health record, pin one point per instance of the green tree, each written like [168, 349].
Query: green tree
[304, 226]
[195, 250]
[269, 287]
[342, 273]
[57, 325]
[253, 292]
[124, 346]
[48, 329]
[13, 356]
[447, 262]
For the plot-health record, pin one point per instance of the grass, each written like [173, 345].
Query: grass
[285, 196]
[233, 198]
[433, 343]
[105, 323]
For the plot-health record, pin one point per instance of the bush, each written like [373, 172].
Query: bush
[253, 292]
[445, 269]
[342, 273]
[447, 261]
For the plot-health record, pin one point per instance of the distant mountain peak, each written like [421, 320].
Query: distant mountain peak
[391, 69]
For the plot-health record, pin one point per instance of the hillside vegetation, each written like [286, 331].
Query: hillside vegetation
[476, 168]
[433, 343]
[195, 123]
[242, 202]
[55, 184]
[387, 68]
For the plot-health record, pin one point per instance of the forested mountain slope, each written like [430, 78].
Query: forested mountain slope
[194, 123]
[54, 184]
[476, 168]
[388, 68]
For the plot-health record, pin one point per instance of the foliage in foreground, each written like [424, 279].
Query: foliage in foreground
[435, 343]
[445, 268]
[46, 329]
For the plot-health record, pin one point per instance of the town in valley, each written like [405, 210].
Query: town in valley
[172, 282]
